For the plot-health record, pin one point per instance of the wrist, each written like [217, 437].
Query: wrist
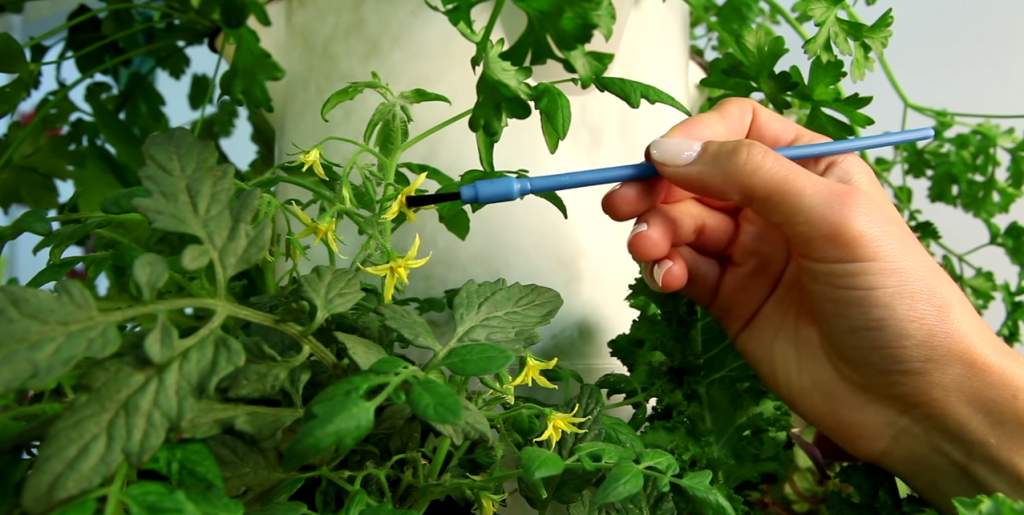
[965, 440]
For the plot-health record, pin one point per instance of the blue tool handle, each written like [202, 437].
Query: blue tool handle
[503, 189]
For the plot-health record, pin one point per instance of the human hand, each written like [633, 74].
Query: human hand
[822, 287]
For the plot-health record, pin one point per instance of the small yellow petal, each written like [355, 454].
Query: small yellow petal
[416, 263]
[414, 248]
[392, 211]
[302, 214]
[319, 169]
[543, 382]
[379, 270]
[389, 288]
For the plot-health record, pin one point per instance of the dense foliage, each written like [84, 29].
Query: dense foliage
[184, 364]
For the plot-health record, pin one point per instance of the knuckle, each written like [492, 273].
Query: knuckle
[739, 102]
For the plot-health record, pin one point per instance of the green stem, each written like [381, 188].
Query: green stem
[208, 98]
[431, 131]
[362, 146]
[51, 408]
[439, 456]
[63, 93]
[790, 20]
[457, 455]
[114, 495]
[626, 402]
[492, 21]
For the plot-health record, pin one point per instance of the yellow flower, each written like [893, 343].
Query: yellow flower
[398, 269]
[532, 372]
[321, 229]
[559, 422]
[312, 158]
[488, 502]
[400, 204]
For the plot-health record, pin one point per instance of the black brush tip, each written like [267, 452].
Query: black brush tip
[429, 200]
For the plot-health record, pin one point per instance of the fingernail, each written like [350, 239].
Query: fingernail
[674, 152]
[659, 270]
[638, 228]
[617, 186]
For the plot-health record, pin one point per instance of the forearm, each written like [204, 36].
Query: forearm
[969, 440]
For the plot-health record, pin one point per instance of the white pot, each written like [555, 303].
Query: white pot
[325, 44]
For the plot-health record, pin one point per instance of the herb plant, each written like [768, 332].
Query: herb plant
[184, 364]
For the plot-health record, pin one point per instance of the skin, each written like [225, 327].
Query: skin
[833, 301]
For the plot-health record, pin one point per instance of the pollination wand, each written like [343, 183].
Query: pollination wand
[504, 189]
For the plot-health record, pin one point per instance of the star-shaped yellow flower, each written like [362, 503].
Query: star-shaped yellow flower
[400, 205]
[321, 229]
[532, 370]
[561, 422]
[312, 158]
[398, 269]
[488, 502]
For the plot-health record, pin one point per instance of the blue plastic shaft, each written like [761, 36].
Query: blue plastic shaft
[504, 189]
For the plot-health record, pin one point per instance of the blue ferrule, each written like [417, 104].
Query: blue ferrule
[489, 191]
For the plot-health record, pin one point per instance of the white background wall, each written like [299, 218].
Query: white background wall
[944, 53]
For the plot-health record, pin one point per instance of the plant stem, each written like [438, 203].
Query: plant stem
[114, 494]
[94, 46]
[439, 456]
[433, 130]
[492, 21]
[50, 408]
[790, 20]
[627, 402]
[362, 146]
[208, 98]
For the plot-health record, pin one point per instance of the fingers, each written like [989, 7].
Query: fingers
[688, 223]
[685, 270]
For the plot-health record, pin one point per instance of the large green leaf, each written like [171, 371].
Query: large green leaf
[251, 68]
[478, 359]
[45, 335]
[259, 422]
[540, 463]
[623, 481]
[339, 425]
[12, 55]
[192, 195]
[410, 325]
[123, 414]
[632, 92]
[362, 351]
[435, 402]
[501, 314]
[331, 290]
[247, 470]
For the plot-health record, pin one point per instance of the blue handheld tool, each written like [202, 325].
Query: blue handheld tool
[504, 189]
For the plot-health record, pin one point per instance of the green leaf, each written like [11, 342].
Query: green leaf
[198, 93]
[502, 93]
[417, 96]
[122, 201]
[552, 198]
[212, 418]
[187, 464]
[434, 402]
[123, 414]
[82, 507]
[588, 65]
[338, 418]
[624, 480]
[362, 351]
[502, 314]
[161, 344]
[476, 428]
[381, 509]
[540, 463]
[282, 508]
[192, 195]
[349, 92]
[388, 365]
[331, 290]
[45, 335]
[152, 498]
[555, 114]
[454, 217]
[150, 272]
[632, 92]
[658, 459]
[997, 504]
[195, 257]
[410, 325]
[12, 55]
[251, 68]
[620, 433]
[478, 359]
[245, 469]
[706, 497]
[33, 221]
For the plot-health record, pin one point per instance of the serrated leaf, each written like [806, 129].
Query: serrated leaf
[187, 464]
[252, 67]
[540, 463]
[418, 95]
[502, 93]
[192, 195]
[632, 92]
[502, 314]
[555, 114]
[245, 469]
[349, 92]
[150, 272]
[997, 504]
[195, 257]
[410, 325]
[152, 498]
[161, 344]
[624, 480]
[212, 418]
[362, 351]
[331, 290]
[659, 460]
[552, 198]
[121, 201]
[478, 359]
[45, 335]
[435, 402]
[125, 417]
[708, 498]
[282, 508]
[12, 55]
[381, 509]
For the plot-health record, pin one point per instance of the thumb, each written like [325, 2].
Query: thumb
[799, 202]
